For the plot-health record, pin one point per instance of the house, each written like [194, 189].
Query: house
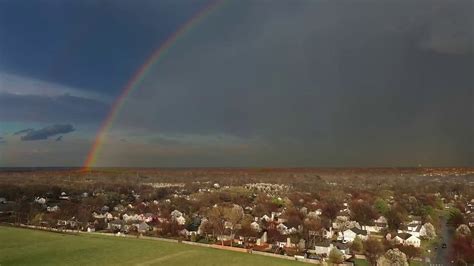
[327, 233]
[471, 221]
[304, 211]
[186, 232]
[201, 227]
[116, 225]
[255, 226]
[275, 215]
[282, 228]
[71, 222]
[377, 226]
[415, 219]
[262, 240]
[131, 217]
[406, 239]
[142, 227]
[178, 217]
[371, 229]
[224, 238]
[412, 228]
[106, 215]
[64, 196]
[228, 225]
[266, 218]
[323, 248]
[40, 200]
[119, 208]
[181, 220]
[183, 232]
[148, 217]
[343, 247]
[54, 208]
[350, 234]
[90, 228]
[285, 244]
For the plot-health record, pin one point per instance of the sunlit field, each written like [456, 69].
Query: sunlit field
[30, 247]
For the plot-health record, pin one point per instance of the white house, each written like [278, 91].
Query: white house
[378, 225]
[282, 228]
[54, 208]
[413, 241]
[255, 226]
[40, 200]
[266, 218]
[350, 234]
[287, 243]
[322, 248]
[381, 220]
[413, 229]
[181, 220]
[406, 239]
[327, 233]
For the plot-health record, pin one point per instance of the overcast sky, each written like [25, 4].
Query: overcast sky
[255, 83]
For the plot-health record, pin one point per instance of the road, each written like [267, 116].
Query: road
[442, 254]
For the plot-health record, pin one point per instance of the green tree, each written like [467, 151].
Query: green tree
[357, 245]
[336, 256]
[455, 217]
[381, 206]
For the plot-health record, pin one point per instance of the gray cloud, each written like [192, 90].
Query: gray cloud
[23, 131]
[291, 83]
[449, 28]
[2, 140]
[50, 109]
[59, 138]
[46, 132]
[320, 82]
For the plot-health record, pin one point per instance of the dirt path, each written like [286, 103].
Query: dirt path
[153, 261]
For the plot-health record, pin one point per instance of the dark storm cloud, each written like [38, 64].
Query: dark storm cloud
[46, 132]
[23, 131]
[288, 83]
[38, 108]
[450, 29]
[323, 82]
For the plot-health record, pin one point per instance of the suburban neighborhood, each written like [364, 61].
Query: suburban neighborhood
[330, 223]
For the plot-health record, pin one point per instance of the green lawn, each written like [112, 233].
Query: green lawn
[361, 262]
[30, 247]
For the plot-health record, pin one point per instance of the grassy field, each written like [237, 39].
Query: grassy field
[360, 262]
[30, 247]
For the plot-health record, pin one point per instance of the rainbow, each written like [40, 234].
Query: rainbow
[139, 75]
